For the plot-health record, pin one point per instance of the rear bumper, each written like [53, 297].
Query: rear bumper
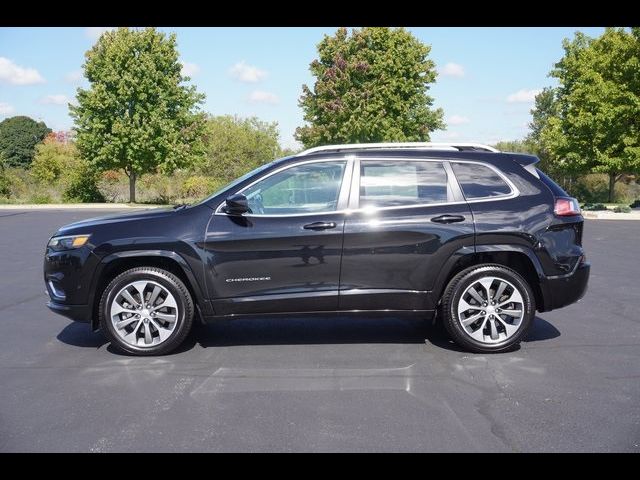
[562, 291]
[77, 313]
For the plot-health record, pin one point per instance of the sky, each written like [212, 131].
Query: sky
[487, 76]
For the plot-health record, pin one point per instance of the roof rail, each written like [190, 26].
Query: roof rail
[417, 145]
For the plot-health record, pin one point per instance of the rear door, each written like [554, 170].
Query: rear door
[407, 218]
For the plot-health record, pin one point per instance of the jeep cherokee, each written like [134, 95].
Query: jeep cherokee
[479, 238]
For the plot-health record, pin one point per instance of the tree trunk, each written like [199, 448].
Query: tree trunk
[132, 188]
[612, 184]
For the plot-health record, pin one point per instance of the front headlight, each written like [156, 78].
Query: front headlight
[68, 242]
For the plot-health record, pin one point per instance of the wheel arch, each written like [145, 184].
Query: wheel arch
[114, 264]
[521, 259]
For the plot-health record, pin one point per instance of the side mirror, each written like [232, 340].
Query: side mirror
[236, 204]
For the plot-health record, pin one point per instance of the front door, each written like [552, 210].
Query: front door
[408, 218]
[284, 256]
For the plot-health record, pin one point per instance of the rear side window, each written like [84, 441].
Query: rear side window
[479, 181]
[553, 186]
[395, 183]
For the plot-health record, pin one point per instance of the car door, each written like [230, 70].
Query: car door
[408, 217]
[284, 256]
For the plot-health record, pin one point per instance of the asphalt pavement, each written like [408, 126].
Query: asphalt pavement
[329, 383]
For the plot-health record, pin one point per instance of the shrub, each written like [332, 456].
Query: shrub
[51, 160]
[57, 164]
[40, 198]
[594, 207]
[592, 188]
[82, 186]
[198, 186]
[158, 188]
[622, 209]
[18, 182]
[5, 185]
[113, 186]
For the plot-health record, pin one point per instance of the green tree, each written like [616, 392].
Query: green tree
[18, 138]
[371, 86]
[236, 145]
[596, 127]
[515, 146]
[543, 116]
[138, 115]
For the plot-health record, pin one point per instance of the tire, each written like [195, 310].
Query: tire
[163, 320]
[485, 327]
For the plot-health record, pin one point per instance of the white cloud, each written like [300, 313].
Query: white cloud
[55, 99]
[17, 75]
[452, 70]
[6, 109]
[189, 69]
[247, 73]
[457, 120]
[523, 96]
[73, 77]
[94, 32]
[259, 96]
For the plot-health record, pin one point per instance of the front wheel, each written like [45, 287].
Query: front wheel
[146, 311]
[488, 308]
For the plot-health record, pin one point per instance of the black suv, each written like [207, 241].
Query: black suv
[480, 238]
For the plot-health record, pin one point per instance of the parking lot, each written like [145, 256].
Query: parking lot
[321, 384]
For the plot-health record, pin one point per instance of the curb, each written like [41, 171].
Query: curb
[611, 215]
[77, 206]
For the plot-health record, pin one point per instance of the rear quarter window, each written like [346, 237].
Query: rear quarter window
[553, 186]
[479, 181]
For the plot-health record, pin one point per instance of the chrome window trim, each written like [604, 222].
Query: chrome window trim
[351, 183]
[342, 196]
[355, 189]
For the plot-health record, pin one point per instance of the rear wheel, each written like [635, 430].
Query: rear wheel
[487, 308]
[146, 311]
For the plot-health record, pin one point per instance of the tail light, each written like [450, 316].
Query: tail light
[566, 207]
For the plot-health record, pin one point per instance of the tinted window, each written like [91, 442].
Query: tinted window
[312, 187]
[479, 181]
[392, 183]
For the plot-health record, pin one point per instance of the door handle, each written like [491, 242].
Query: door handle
[320, 226]
[448, 219]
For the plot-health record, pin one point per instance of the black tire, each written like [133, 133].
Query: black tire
[167, 280]
[448, 312]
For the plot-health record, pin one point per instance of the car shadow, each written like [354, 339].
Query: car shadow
[541, 330]
[80, 335]
[299, 330]
[312, 330]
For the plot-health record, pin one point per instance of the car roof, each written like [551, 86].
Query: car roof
[399, 153]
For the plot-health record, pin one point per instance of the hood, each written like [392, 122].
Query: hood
[83, 226]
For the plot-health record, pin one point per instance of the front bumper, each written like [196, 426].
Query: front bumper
[562, 291]
[77, 313]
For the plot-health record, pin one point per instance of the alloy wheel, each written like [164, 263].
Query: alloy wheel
[491, 310]
[144, 313]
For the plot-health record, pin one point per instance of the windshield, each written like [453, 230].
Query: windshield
[241, 179]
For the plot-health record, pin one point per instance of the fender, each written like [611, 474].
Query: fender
[467, 254]
[201, 301]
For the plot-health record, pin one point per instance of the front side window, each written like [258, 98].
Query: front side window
[479, 181]
[385, 183]
[307, 188]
